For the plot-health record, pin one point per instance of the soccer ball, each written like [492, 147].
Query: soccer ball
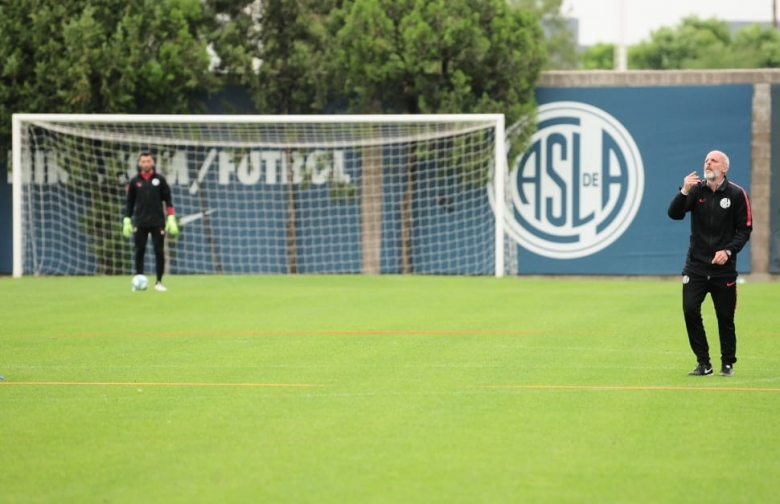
[139, 283]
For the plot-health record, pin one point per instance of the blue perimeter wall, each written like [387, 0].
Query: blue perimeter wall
[673, 128]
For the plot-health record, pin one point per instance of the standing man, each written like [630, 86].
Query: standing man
[721, 222]
[146, 194]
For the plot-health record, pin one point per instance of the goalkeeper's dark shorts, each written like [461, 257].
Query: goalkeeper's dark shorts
[142, 236]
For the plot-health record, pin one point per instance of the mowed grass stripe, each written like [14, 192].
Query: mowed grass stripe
[311, 385]
[409, 332]
[632, 387]
[159, 384]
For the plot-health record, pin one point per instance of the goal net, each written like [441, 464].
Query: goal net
[402, 194]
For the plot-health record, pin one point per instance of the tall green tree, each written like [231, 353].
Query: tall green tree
[383, 56]
[101, 56]
[436, 56]
[276, 49]
[272, 48]
[598, 57]
[413, 56]
[688, 45]
[706, 44]
[757, 47]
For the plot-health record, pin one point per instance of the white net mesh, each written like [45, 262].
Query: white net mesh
[266, 195]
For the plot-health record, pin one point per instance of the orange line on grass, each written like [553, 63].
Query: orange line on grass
[163, 384]
[340, 333]
[630, 387]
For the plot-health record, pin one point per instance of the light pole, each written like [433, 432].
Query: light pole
[621, 56]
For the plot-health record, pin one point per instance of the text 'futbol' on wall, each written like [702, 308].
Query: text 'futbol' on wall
[185, 168]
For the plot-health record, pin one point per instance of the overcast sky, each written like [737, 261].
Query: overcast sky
[600, 20]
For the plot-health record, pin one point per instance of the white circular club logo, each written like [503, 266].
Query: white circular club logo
[579, 185]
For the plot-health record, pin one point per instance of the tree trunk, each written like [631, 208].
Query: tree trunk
[292, 251]
[407, 220]
[209, 233]
[371, 211]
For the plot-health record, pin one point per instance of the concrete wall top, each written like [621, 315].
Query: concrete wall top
[602, 78]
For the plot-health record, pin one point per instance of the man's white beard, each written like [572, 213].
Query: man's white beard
[710, 175]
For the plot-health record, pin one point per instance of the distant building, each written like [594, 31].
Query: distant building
[735, 26]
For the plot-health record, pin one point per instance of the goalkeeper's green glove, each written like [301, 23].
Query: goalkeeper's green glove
[127, 227]
[171, 226]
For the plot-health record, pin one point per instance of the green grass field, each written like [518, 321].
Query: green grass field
[359, 389]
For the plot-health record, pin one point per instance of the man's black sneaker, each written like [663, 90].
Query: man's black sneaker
[701, 370]
[727, 370]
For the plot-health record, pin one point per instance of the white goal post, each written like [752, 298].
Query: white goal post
[371, 194]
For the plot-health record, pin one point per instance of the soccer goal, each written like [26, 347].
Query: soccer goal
[371, 194]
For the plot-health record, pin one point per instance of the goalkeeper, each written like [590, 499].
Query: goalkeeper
[150, 208]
